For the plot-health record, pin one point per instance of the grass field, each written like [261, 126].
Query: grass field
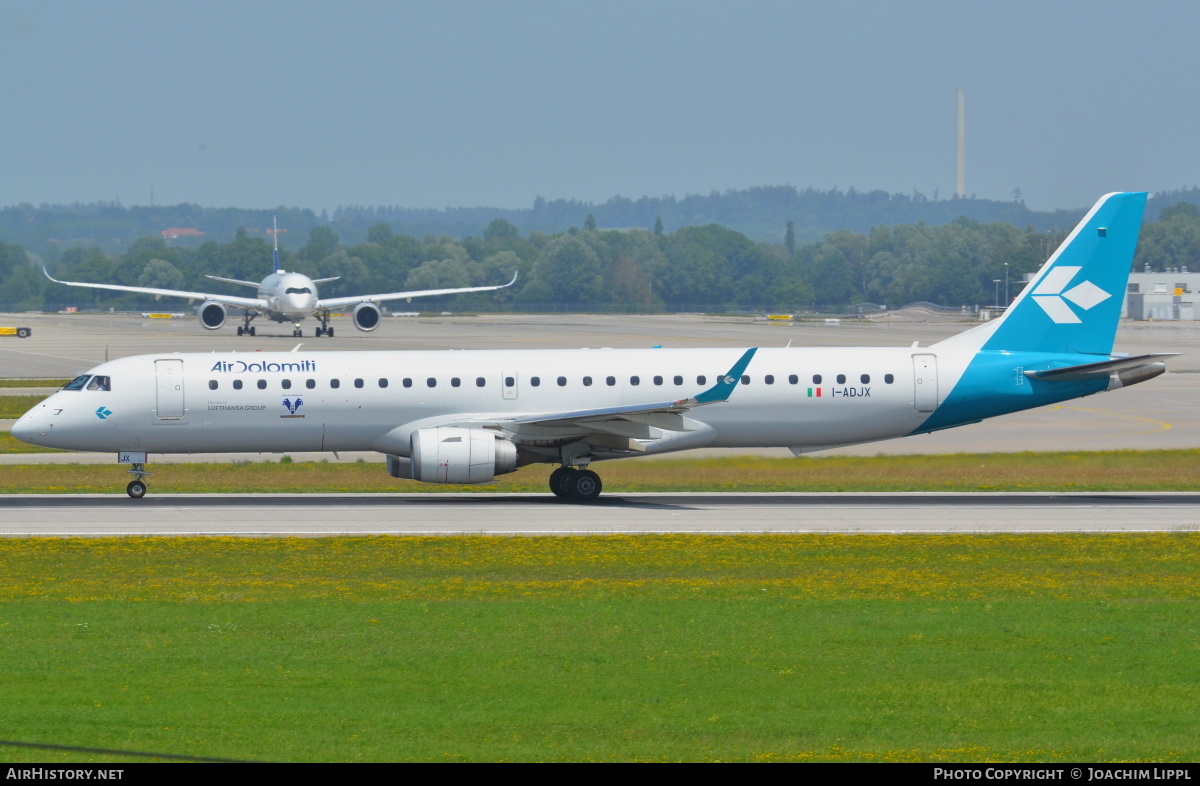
[1161, 470]
[13, 407]
[33, 383]
[756, 648]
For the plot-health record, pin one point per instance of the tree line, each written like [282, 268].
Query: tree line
[710, 267]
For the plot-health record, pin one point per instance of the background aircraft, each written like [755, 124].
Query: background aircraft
[284, 297]
[467, 416]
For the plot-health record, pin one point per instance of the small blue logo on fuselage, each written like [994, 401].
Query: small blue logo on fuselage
[103, 413]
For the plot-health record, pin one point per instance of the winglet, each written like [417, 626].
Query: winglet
[726, 384]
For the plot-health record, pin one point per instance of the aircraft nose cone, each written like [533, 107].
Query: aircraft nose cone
[25, 429]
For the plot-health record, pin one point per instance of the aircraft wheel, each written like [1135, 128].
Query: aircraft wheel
[585, 485]
[560, 481]
[319, 332]
[136, 489]
[252, 331]
[329, 332]
[240, 330]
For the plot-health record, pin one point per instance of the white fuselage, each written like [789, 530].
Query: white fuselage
[803, 399]
[292, 297]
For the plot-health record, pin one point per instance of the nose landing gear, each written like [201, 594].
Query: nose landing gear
[137, 487]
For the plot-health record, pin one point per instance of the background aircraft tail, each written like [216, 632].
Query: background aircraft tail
[1074, 301]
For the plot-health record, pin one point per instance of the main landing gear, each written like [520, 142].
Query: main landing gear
[137, 486]
[581, 485]
[324, 330]
[244, 329]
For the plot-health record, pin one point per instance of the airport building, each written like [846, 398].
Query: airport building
[1169, 295]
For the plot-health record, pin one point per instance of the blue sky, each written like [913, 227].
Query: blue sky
[319, 104]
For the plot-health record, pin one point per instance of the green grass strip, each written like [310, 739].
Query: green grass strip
[13, 407]
[1158, 470]
[33, 383]
[1054, 647]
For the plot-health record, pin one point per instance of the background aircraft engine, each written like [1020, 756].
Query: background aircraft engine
[455, 455]
[366, 316]
[212, 315]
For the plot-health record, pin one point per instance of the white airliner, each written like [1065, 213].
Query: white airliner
[468, 416]
[285, 297]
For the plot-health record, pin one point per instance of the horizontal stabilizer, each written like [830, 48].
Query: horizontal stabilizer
[1104, 368]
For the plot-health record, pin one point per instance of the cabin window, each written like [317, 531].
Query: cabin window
[610, 381]
[310, 383]
[865, 378]
[480, 382]
[888, 378]
[533, 382]
[383, 383]
[793, 379]
[658, 380]
[635, 381]
[678, 380]
[455, 382]
[286, 383]
[769, 379]
[262, 384]
[745, 379]
[431, 382]
[100, 383]
[701, 380]
[358, 383]
[212, 385]
[77, 383]
[335, 383]
[406, 382]
[587, 382]
[237, 384]
[841, 378]
[562, 382]
[511, 382]
[816, 379]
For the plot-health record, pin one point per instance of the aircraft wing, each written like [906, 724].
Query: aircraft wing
[714, 395]
[338, 302]
[241, 302]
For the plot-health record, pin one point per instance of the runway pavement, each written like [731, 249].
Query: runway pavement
[260, 515]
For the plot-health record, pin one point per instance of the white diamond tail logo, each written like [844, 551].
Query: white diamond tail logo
[1050, 296]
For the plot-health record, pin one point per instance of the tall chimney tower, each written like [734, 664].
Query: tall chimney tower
[960, 169]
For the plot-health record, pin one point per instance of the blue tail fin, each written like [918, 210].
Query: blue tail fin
[1074, 302]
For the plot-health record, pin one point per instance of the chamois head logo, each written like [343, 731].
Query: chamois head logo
[291, 406]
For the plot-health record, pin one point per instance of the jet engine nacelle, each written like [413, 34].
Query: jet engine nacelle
[366, 316]
[454, 455]
[212, 315]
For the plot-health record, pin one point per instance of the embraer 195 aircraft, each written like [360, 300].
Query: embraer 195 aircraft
[284, 297]
[467, 416]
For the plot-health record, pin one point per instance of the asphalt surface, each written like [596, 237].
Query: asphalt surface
[268, 515]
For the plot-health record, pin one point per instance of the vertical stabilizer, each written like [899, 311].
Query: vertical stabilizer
[275, 235]
[1074, 302]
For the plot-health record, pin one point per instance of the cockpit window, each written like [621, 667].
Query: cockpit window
[77, 383]
[298, 291]
[99, 383]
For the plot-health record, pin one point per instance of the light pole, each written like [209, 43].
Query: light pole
[1006, 300]
[996, 281]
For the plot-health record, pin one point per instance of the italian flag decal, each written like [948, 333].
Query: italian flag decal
[814, 392]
